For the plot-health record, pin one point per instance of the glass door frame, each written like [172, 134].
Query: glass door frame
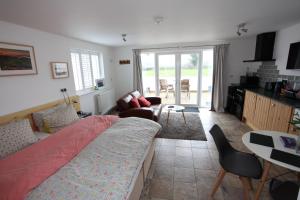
[178, 53]
[157, 54]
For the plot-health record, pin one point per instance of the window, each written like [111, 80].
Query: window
[87, 68]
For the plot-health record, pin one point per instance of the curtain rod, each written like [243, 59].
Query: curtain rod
[180, 47]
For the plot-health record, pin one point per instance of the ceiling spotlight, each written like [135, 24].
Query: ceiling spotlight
[124, 37]
[241, 28]
[158, 19]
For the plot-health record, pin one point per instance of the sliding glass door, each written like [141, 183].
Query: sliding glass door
[189, 68]
[179, 77]
[167, 78]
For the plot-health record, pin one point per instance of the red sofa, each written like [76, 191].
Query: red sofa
[153, 112]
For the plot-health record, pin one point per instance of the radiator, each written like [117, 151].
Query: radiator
[106, 101]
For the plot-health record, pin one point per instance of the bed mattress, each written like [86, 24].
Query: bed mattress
[104, 169]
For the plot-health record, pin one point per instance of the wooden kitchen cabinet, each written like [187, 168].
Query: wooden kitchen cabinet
[279, 117]
[249, 107]
[261, 112]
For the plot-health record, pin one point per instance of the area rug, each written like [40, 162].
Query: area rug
[190, 109]
[177, 129]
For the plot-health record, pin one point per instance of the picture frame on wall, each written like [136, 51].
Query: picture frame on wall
[59, 70]
[17, 59]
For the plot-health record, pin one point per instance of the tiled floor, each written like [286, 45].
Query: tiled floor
[183, 169]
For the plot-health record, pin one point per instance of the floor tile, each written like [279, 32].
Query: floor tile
[183, 143]
[161, 189]
[199, 144]
[203, 163]
[182, 151]
[185, 191]
[163, 172]
[186, 175]
[182, 161]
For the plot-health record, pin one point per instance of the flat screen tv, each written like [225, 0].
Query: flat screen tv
[294, 56]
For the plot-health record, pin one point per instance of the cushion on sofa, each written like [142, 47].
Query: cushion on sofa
[15, 136]
[144, 102]
[134, 103]
[123, 102]
[156, 111]
[136, 94]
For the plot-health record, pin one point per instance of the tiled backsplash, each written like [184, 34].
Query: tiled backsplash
[268, 72]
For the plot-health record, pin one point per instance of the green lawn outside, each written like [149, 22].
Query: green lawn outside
[170, 72]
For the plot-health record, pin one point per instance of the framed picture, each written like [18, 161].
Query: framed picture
[59, 70]
[17, 59]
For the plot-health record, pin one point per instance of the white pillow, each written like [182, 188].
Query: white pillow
[60, 118]
[15, 136]
[38, 117]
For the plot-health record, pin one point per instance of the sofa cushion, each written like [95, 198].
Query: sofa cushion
[134, 103]
[144, 102]
[156, 111]
[123, 103]
[136, 94]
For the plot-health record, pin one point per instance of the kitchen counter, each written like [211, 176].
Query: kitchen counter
[270, 94]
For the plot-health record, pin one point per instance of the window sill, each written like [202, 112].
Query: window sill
[88, 91]
[85, 92]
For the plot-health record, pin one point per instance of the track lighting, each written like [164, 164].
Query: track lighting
[241, 28]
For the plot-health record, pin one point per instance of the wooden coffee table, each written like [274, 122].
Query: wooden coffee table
[175, 108]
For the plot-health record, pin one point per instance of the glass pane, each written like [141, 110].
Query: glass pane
[95, 67]
[166, 65]
[76, 71]
[207, 77]
[189, 78]
[86, 69]
[148, 73]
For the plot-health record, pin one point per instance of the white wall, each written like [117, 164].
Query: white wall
[124, 73]
[21, 92]
[239, 49]
[282, 45]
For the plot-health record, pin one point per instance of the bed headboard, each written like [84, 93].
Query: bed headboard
[23, 114]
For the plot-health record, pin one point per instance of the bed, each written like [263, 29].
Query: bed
[99, 157]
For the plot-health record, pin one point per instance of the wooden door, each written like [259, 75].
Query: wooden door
[249, 106]
[261, 112]
[279, 117]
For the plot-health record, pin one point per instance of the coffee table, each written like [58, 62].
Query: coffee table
[175, 108]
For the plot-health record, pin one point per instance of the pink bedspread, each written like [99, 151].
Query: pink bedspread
[26, 169]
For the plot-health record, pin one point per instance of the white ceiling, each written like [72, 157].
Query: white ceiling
[103, 21]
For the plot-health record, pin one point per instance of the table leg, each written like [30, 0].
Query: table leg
[168, 118]
[183, 116]
[267, 166]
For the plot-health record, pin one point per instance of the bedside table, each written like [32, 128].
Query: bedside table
[82, 114]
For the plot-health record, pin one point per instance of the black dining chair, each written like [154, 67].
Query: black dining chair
[244, 165]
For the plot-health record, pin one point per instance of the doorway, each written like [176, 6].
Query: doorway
[179, 77]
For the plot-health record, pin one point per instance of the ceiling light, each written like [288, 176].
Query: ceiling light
[124, 37]
[158, 19]
[241, 28]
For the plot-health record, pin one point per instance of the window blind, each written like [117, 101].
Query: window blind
[87, 67]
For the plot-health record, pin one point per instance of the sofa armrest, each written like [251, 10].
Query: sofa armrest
[154, 100]
[138, 112]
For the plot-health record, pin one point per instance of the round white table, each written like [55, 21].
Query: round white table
[265, 152]
[175, 108]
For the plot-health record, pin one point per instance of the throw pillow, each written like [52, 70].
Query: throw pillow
[134, 103]
[15, 136]
[144, 102]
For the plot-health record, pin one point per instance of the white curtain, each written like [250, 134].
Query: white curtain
[217, 91]
[137, 71]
